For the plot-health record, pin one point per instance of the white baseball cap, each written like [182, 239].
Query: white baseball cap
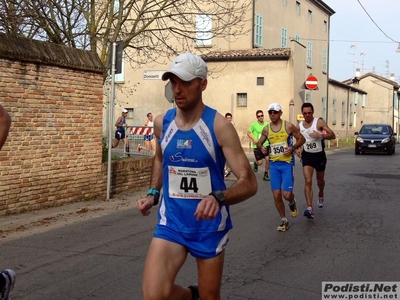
[187, 67]
[275, 106]
[124, 110]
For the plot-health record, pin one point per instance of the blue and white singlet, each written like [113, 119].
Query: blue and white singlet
[193, 167]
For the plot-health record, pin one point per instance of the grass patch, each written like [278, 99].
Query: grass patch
[343, 143]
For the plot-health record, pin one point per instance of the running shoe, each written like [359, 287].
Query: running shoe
[195, 292]
[321, 202]
[266, 177]
[139, 148]
[255, 167]
[309, 213]
[293, 209]
[284, 225]
[9, 276]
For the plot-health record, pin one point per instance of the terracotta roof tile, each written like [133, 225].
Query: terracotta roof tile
[248, 54]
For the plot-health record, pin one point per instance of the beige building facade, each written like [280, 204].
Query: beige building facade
[345, 108]
[287, 42]
[383, 99]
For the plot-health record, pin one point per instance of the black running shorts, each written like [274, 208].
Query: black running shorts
[315, 160]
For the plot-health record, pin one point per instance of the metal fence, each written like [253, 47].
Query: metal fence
[135, 136]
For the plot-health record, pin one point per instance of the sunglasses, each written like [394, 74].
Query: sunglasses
[273, 112]
[307, 113]
[260, 116]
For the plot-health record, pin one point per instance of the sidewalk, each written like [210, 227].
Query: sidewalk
[35, 222]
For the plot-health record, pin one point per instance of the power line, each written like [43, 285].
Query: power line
[375, 22]
[347, 41]
[373, 42]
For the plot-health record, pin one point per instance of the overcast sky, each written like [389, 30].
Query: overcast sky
[356, 42]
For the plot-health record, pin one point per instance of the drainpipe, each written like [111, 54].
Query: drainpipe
[252, 22]
[327, 72]
[347, 115]
[393, 121]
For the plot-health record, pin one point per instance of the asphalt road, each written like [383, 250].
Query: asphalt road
[97, 250]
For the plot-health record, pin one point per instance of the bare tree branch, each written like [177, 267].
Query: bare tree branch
[152, 30]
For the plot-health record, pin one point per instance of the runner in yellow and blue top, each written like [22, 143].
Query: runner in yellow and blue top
[254, 134]
[280, 134]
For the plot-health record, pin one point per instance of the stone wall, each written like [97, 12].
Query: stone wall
[53, 153]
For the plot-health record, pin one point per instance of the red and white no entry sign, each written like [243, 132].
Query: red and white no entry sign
[311, 82]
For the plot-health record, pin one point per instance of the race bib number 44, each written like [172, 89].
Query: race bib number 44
[189, 183]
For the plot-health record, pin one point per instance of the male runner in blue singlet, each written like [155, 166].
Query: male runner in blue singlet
[193, 144]
[120, 133]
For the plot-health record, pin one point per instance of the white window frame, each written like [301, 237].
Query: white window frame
[241, 99]
[284, 38]
[309, 54]
[324, 61]
[334, 116]
[351, 114]
[258, 31]
[344, 110]
[203, 30]
[324, 104]
[308, 97]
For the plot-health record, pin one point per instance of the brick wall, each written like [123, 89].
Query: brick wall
[52, 156]
[129, 174]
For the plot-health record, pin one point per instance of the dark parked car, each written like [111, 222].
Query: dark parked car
[375, 138]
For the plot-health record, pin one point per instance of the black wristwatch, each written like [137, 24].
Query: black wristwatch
[219, 196]
[156, 194]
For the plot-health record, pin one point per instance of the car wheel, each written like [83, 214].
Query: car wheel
[357, 152]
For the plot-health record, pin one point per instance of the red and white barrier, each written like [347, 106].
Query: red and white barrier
[141, 130]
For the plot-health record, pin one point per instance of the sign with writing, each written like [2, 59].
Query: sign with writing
[152, 75]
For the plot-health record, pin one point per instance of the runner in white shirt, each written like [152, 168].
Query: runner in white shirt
[313, 155]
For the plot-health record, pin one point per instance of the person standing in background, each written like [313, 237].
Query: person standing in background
[254, 134]
[313, 155]
[149, 141]
[120, 133]
[229, 117]
[227, 169]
